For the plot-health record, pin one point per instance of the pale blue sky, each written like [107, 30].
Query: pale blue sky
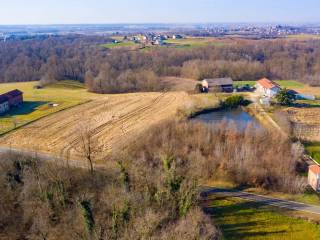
[157, 11]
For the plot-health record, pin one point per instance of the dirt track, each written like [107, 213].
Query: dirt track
[116, 119]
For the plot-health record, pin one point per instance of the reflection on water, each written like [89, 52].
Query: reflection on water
[237, 117]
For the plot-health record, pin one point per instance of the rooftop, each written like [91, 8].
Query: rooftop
[315, 169]
[219, 81]
[266, 83]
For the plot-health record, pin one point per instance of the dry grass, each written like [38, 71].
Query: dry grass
[304, 115]
[116, 120]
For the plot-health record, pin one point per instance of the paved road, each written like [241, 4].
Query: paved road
[264, 200]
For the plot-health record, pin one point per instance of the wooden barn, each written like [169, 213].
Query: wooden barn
[217, 85]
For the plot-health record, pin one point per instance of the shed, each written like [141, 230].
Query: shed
[218, 84]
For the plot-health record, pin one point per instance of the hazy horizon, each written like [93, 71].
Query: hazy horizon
[59, 12]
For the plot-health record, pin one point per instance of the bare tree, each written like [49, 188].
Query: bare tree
[87, 145]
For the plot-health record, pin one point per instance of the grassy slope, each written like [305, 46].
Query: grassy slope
[313, 149]
[239, 219]
[194, 42]
[121, 44]
[283, 83]
[67, 94]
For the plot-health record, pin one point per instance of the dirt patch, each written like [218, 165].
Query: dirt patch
[117, 120]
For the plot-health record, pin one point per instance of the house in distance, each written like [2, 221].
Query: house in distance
[217, 85]
[267, 88]
[10, 99]
[314, 177]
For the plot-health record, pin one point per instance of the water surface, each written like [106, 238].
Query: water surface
[237, 117]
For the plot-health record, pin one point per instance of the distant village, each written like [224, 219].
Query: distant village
[150, 38]
[197, 30]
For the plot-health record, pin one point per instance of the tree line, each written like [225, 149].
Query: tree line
[83, 59]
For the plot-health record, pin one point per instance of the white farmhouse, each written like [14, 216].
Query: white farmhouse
[267, 88]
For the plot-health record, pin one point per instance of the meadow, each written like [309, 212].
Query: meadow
[313, 149]
[38, 103]
[195, 42]
[239, 219]
[119, 45]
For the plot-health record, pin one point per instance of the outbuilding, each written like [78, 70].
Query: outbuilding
[217, 85]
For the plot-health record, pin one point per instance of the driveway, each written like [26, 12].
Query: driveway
[264, 200]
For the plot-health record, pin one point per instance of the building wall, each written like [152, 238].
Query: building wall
[15, 100]
[313, 180]
[4, 107]
[267, 92]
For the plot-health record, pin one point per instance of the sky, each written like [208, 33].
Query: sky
[157, 11]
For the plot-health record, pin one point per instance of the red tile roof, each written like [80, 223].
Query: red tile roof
[315, 169]
[266, 83]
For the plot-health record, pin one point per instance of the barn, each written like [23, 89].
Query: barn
[217, 85]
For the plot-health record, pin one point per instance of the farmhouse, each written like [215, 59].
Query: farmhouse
[218, 84]
[267, 87]
[10, 99]
[314, 177]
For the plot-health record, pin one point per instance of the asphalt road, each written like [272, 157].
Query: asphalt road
[264, 200]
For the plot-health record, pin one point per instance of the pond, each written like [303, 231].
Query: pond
[239, 117]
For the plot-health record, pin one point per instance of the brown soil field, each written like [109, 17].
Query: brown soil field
[116, 121]
[179, 84]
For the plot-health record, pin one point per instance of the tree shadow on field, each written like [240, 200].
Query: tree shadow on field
[252, 217]
[25, 108]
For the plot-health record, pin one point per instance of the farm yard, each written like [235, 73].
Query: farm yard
[115, 120]
[283, 83]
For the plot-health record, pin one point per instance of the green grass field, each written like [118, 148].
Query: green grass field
[282, 83]
[36, 101]
[239, 219]
[118, 45]
[313, 149]
[194, 42]
[304, 36]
